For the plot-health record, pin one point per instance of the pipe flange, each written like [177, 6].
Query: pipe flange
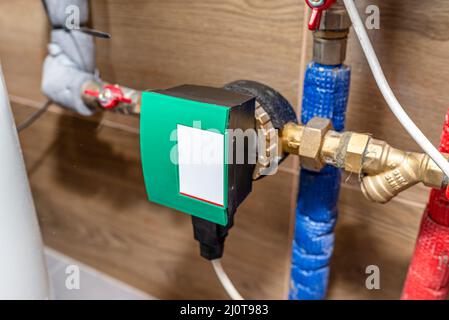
[268, 151]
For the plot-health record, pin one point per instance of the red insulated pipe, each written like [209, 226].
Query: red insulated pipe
[428, 274]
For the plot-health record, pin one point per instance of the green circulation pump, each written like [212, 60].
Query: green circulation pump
[188, 158]
[183, 129]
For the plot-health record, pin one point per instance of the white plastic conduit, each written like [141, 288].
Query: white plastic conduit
[225, 281]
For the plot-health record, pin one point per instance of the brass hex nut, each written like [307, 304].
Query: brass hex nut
[311, 143]
[433, 176]
[335, 19]
[355, 152]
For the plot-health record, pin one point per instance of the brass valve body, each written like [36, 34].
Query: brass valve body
[384, 171]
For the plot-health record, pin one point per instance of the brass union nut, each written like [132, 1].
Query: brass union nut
[432, 175]
[355, 152]
[311, 142]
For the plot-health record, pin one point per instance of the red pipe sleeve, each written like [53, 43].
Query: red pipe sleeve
[428, 274]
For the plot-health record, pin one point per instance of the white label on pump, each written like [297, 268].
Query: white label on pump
[201, 164]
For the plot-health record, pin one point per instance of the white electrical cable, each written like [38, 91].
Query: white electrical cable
[388, 94]
[225, 281]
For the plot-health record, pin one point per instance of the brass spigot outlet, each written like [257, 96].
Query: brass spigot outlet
[384, 171]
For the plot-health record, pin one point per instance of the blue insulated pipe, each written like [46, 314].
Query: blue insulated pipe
[326, 90]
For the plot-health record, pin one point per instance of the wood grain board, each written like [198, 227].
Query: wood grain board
[85, 172]
[89, 192]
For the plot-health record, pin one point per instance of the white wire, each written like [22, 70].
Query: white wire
[225, 281]
[388, 94]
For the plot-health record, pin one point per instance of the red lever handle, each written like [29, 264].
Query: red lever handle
[109, 96]
[318, 6]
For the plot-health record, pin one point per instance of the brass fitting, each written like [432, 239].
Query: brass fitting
[389, 171]
[384, 171]
[310, 152]
[290, 137]
[330, 40]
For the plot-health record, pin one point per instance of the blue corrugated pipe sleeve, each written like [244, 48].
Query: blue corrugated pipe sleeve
[326, 90]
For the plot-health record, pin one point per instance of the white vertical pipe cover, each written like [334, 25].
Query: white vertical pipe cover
[23, 273]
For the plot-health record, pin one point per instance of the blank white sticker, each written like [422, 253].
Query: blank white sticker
[201, 164]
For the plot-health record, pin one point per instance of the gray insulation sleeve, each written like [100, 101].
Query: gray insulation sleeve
[71, 58]
[59, 10]
[79, 47]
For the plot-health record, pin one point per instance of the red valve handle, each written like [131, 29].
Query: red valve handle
[109, 97]
[318, 6]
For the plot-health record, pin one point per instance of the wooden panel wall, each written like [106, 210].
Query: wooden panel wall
[85, 172]
[86, 176]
